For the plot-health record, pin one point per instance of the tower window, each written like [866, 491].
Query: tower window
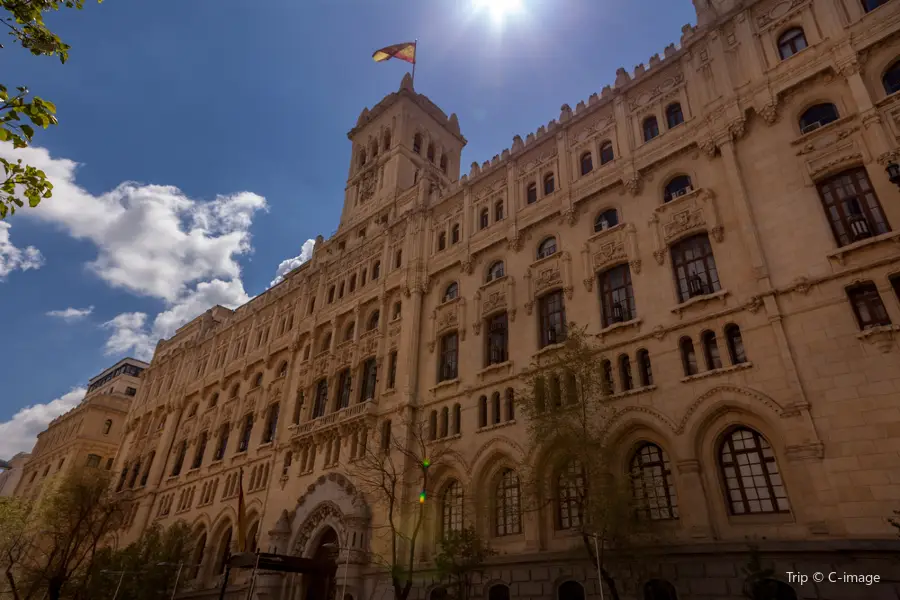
[531, 193]
[587, 163]
[606, 219]
[483, 218]
[606, 152]
[674, 116]
[651, 128]
[818, 116]
[549, 184]
[498, 211]
[791, 42]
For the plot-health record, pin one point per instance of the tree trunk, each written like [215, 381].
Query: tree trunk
[54, 588]
[605, 575]
[401, 592]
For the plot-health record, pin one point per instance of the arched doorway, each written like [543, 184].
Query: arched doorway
[326, 549]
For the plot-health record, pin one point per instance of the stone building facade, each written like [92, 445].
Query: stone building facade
[12, 473]
[721, 219]
[87, 435]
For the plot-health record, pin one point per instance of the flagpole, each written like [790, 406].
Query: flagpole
[415, 60]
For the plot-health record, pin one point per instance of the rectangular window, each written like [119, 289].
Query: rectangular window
[392, 370]
[179, 460]
[321, 399]
[852, 207]
[130, 391]
[370, 376]
[386, 435]
[553, 318]
[616, 295]
[223, 442]
[201, 450]
[246, 432]
[497, 339]
[93, 460]
[345, 382]
[449, 357]
[271, 423]
[867, 306]
[695, 267]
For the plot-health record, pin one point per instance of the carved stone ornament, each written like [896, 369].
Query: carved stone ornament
[635, 266]
[468, 265]
[633, 184]
[769, 113]
[883, 337]
[755, 303]
[609, 252]
[683, 221]
[709, 147]
[515, 243]
[547, 277]
[736, 128]
[494, 301]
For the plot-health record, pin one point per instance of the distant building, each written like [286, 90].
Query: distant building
[89, 434]
[720, 218]
[11, 473]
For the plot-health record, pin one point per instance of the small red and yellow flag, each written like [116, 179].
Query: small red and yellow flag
[405, 51]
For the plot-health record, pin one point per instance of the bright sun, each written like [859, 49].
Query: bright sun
[499, 9]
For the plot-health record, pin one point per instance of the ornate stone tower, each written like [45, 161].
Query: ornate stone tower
[402, 139]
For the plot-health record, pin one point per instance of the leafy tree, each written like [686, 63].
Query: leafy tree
[76, 518]
[394, 475]
[461, 555]
[21, 112]
[566, 400]
[14, 541]
[150, 565]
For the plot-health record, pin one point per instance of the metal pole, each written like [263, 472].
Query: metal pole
[253, 577]
[177, 576]
[225, 581]
[346, 568]
[116, 593]
[415, 60]
[599, 572]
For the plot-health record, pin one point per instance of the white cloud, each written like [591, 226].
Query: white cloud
[20, 432]
[151, 240]
[154, 241]
[13, 258]
[290, 264]
[131, 332]
[70, 315]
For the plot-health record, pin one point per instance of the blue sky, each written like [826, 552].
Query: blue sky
[202, 143]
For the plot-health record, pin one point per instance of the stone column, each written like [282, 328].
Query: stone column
[164, 449]
[690, 494]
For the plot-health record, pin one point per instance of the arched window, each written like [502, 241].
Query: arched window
[587, 163]
[197, 555]
[711, 350]
[608, 218]
[772, 589]
[569, 494]
[483, 218]
[644, 370]
[387, 140]
[431, 152]
[555, 391]
[674, 116]
[352, 283]
[457, 419]
[549, 184]
[688, 357]
[442, 240]
[224, 551]
[606, 152]
[286, 465]
[547, 248]
[398, 307]
[791, 42]
[417, 143]
[373, 321]
[735, 344]
[214, 399]
[651, 483]
[454, 234]
[868, 6]
[282, 370]
[374, 148]
[258, 381]
[510, 405]
[498, 591]
[398, 259]
[625, 373]
[659, 589]
[817, 116]
[235, 390]
[330, 294]
[452, 508]
[498, 211]
[250, 541]
[651, 128]
[495, 408]
[508, 515]
[445, 422]
[609, 385]
[362, 157]
[852, 207]
[444, 163]
[483, 411]
[751, 475]
[495, 271]
[432, 425]
[531, 193]
[891, 79]
[376, 270]
[107, 425]
[451, 293]
[677, 186]
[326, 342]
[571, 590]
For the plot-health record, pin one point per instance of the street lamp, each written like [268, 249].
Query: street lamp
[121, 575]
[180, 564]
[333, 546]
[893, 171]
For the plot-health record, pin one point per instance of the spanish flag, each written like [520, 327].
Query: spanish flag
[405, 51]
[241, 516]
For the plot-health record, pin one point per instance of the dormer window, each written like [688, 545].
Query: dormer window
[417, 143]
[678, 186]
[547, 248]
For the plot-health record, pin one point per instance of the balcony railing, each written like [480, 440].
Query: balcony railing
[335, 418]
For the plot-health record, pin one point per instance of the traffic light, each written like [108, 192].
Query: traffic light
[422, 497]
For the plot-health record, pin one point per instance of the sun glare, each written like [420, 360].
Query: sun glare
[499, 9]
